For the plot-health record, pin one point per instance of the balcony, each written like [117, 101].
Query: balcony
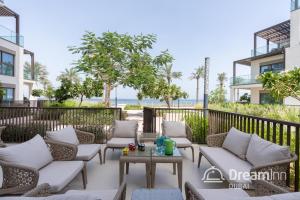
[295, 5]
[243, 80]
[11, 36]
[270, 48]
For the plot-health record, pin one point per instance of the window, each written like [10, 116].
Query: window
[8, 94]
[275, 67]
[266, 98]
[7, 65]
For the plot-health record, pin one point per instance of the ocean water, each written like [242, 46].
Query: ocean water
[149, 102]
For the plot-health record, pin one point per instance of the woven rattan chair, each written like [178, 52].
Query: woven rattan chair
[1, 142]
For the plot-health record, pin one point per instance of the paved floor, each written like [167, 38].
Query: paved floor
[106, 176]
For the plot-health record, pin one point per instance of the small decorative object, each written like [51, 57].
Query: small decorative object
[132, 147]
[160, 141]
[125, 151]
[141, 147]
[169, 146]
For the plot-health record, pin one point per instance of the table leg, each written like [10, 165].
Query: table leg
[127, 168]
[153, 171]
[121, 171]
[148, 175]
[179, 171]
[174, 168]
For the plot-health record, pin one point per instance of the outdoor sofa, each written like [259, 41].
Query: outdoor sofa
[263, 191]
[236, 154]
[34, 162]
[82, 141]
[180, 133]
[121, 134]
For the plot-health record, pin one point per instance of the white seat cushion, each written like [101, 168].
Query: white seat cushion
[286, 196]
[182, 142]
[87, 151]
[125, 129]
[120, 142]
[67, 135]
[59, 174]
[226, 161]
[173, 129]
[100, 194]
[237, 142]
[222, 194]
[261, 152]
[33, 153]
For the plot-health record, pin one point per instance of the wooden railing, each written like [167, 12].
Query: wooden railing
[22, 123]
[276, 131]
[153, 117]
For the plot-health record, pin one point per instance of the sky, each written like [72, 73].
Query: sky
[191, 30]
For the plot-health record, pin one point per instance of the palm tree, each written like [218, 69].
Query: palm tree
[69, 74]
[40, 73]
[199, 73]
[222, 78]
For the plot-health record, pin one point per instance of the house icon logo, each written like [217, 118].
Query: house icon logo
[213, 175]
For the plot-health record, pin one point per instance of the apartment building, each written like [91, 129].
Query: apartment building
[281, 52]
[14, 82]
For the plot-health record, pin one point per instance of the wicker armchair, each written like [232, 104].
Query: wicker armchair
[1, 142]
[262, 188]
[18, 179]
[44, 190]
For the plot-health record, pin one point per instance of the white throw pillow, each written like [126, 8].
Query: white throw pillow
[33, 153]
[261, 152]
[237, 142]
[67, 135]
[125, 129]
[173, 129]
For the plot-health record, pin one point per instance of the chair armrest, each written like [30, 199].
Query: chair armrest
[265, 188]
[278, 167]
[109, 133]
[85, 137]
[216, 140]
[18, 179]
[121, 193]
[42, 190]
[191, 192]
[62, 151]
[189, 132]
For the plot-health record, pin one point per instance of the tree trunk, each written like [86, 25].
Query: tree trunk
[197, 92]
[81, 100]
[107, 95]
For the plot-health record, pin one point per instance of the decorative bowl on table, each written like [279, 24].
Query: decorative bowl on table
[132, 147]
[141, 147]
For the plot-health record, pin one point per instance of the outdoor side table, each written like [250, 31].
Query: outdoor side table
[176, 159]
[157, 194]
[148, 137]
[136, 157]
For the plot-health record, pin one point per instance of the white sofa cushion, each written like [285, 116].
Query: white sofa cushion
[261, 152]
[173, 129]
[59, 174]
[222, 194]
[226, 162]
[125, 129]
[237, 142]
[120, 142]
[182, 142]
[83, 196]
[286, 196]
[87, 151]
[100, 194]
[67, 135]
[32, 153]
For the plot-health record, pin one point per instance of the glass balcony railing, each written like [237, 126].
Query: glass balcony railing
[295, 4]
[272, 47]
[11, 36]
[243, 80]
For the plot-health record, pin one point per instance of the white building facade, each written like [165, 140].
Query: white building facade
[14, 83]
[281, 52]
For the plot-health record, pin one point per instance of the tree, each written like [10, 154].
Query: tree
[218, 95]
[163, 91]
[40, 73]
[49, 92]
[199, 73]
[282, 85]
[89, 88]
[69, 74]
[116, 59]
[222, 78]
[245, 98]
[65, 91]
[37, 92]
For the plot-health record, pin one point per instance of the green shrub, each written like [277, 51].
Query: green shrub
[199, 126]
[133, 107]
